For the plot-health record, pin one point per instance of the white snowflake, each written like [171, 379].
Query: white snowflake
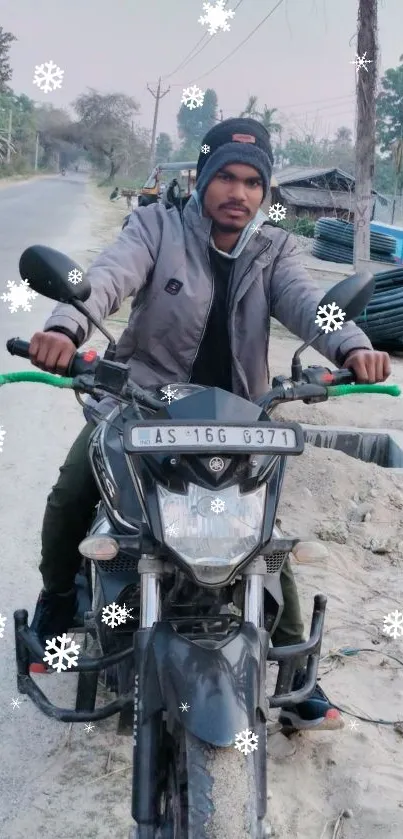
[89, 727]
[192, 97]
[3, 622]
[19, 296]
[112, 615]
[277, 212]
[75, 276]
[330, 317]
[246, 741]
[216, 17]
[125, 613]
[256, 228]
[172, 530]
[361, 62]
[393, 624]
[2, 436]
[67, 651]
[15, 703]
[48, 76]
[354, 726]
[184, 706]
[170, 394]
[205, 149]
[217, 506]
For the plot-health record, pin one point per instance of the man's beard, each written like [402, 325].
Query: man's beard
[227, 228]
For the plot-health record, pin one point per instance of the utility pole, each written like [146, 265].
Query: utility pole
[9, 136]
[365, 129]
[157, 96]
[36, 151]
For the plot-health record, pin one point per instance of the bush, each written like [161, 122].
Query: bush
[299, 226]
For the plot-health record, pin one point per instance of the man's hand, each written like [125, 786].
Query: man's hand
[369, 366]
[51, 351]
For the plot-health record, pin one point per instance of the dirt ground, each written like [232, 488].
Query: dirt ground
[354, 512]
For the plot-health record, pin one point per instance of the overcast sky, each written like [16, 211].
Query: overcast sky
[297, 61]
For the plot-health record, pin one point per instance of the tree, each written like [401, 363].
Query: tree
[105, 127]
[194, 124]
[266, 118]
[366, 124]
[6, 39]
[251, 108]
[163, 149]
[389, 108]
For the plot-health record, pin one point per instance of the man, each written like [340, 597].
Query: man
[205, 283]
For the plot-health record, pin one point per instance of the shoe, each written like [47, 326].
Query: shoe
[54, 614]
[317, 712]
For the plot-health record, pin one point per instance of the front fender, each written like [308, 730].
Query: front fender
[222, 686]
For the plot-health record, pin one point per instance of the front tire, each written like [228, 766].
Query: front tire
[213, 792]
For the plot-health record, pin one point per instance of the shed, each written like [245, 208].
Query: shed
[315, 192]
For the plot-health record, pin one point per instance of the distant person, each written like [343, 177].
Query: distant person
[173, 192]
[115, 194]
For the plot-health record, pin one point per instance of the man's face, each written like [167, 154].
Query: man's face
[233, 197]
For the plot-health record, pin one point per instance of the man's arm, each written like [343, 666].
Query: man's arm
[119, 272]
[294, 301]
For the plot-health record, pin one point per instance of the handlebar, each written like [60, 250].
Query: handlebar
[317, 384]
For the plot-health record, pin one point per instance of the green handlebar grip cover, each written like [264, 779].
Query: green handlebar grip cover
[34, 376]
[346, 390]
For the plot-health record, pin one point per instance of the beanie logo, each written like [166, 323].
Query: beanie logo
[173, 286]
[243, 138]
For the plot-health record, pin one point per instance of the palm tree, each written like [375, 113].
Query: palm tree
[250, 110]
[266, 118]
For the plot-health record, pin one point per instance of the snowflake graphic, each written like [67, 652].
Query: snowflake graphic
[75, 276]
[2, 436]
[216, 17]
[205, 149]
[61, 653]
[393, 624]
[15, 703]
[330, 317]
[277, 212]
[172, 530]
[19, 296]
[217, 506]
[246, 741]
[125, 614]
[361, 62]
[354, 726]
[256, 228]
[184, 706]
[112, 615]
[192, 97]
[48, 76]
[170, 394]
[3, 621]
[89, 727]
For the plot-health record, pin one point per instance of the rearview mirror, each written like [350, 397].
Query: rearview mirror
[351, 295]
[53, 274]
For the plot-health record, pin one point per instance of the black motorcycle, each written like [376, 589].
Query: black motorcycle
[180, 584]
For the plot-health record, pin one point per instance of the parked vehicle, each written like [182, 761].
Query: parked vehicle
[190, 479]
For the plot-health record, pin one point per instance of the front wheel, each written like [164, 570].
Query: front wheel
[214, 792]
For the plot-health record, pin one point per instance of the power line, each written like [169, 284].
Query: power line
[189, 57]
[239, 45]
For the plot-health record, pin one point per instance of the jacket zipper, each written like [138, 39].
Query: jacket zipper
[208, 315]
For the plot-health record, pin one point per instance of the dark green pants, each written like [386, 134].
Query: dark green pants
[68, 514]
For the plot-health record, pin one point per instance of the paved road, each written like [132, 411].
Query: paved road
[43, 782]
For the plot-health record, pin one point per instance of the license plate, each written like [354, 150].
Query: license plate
[203, 437]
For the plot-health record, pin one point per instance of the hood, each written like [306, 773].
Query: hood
[246, 234]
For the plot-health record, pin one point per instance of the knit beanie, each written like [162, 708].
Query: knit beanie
[238, 140]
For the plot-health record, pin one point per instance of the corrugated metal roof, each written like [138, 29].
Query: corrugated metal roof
[300, 173]
[304, 197]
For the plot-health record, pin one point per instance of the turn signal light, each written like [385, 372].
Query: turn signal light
[99, 548]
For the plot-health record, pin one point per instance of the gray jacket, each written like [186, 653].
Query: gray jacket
[165, 329]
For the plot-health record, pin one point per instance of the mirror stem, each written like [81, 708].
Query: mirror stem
[296, 366]
[111, 349]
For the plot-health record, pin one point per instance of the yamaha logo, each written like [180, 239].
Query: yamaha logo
[216, 464]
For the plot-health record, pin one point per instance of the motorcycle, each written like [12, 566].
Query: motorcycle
[179, 590]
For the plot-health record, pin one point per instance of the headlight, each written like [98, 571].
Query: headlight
[212, 531]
